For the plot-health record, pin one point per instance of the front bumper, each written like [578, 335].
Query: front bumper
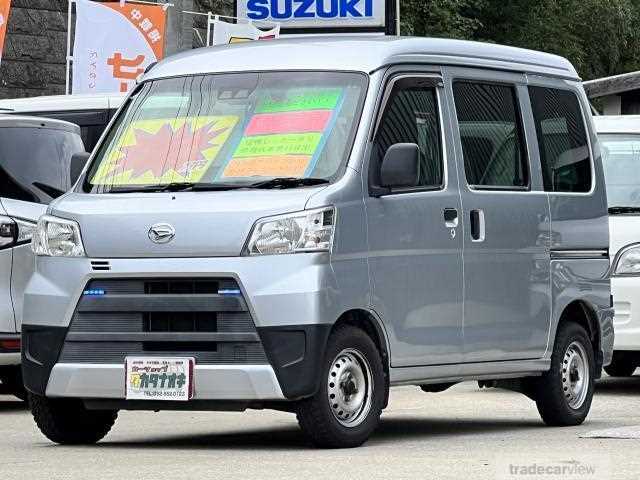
[211, 382]
[626, 294]
[289, 305]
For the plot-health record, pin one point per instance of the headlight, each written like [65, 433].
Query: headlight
[628, 262]
[57, 237]
[308, 231]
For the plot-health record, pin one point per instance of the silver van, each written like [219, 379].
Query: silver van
[301, 224]
[36, 157]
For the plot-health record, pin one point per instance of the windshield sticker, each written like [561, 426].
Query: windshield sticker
[166, 150]
[290, 144]
[300, 100]
[285, 137]
[288, 122]
[278, 166]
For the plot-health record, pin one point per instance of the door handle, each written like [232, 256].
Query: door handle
[477, 225]
[450, 217]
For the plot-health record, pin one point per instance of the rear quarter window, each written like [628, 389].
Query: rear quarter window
[562, 140]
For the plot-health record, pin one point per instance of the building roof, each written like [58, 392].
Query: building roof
[617, 123]
[616, 84]
[22, 121]
[362, 53]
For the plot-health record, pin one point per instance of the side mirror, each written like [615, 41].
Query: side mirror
[78, 161]
[401, 166]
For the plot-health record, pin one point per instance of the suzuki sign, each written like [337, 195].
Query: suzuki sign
[311, 15]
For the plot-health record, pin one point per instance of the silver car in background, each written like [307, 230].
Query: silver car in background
[303, 223]
[35, 166]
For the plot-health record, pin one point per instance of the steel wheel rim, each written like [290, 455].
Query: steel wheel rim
[350, 387]
[575, 375]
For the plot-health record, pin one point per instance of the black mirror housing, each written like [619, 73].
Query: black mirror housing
[401, 166]
[78, 161]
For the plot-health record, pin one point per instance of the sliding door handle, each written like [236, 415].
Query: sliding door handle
[477, 225]
[450, 217]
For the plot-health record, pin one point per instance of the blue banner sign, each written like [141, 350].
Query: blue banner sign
[315, 13]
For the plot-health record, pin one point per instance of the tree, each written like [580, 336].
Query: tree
[600, 37]
[438, 18]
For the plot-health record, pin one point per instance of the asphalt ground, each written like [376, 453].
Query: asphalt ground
[462, 433]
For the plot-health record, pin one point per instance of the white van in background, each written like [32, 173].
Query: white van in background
[90, 111]
[620, 145]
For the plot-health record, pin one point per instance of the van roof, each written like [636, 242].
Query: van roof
[363, 53]
[56, 103]
[22, 121]
[617, 123]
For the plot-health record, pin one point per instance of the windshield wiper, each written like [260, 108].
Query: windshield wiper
[177, 187]
[621, 210]
[288, 182]
[278, 182]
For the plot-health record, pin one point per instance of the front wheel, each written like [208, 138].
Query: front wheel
[346, 409]
[67, 421]
[564, 393]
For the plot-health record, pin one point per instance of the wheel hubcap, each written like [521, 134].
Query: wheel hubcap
[575, 375]
[349, 388]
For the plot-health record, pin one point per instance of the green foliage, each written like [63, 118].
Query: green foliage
[600, 37]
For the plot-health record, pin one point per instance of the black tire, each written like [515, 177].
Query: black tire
[68, 422]
[620, 366]
[315, 414]
[551, 394]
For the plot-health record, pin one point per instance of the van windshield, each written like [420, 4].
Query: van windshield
[621, 162]
[231, 131]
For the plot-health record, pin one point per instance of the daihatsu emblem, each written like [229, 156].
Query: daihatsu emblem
[162, 233]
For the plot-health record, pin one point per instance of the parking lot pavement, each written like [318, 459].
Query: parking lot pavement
[463, 433]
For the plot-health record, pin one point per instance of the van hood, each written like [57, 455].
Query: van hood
[623, 230]
[206, 223]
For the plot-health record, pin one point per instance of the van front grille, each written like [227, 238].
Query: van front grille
[204, 318]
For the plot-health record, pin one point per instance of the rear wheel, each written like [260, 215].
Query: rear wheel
[67, 421]
[620, 366]
[346, 409]
[564, 393]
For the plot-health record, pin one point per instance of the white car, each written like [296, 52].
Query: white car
[91, 112]
[620, 144]
[40, 159]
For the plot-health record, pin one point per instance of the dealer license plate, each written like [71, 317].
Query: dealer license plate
[154, 378]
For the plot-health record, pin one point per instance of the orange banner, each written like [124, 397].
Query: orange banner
[150, 20]
[114, 43]
[5, 5]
